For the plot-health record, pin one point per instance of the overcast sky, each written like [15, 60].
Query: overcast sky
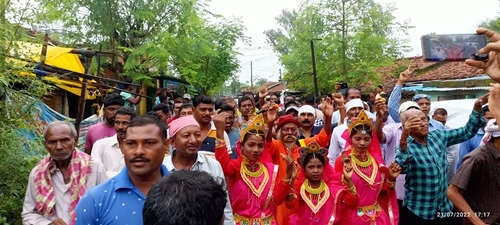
[438, 16]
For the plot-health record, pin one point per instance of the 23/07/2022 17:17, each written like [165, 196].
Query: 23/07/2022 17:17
[462, 214]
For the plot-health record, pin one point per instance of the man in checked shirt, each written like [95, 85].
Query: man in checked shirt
[422, 156]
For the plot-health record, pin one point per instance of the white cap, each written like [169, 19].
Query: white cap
[354, 103]
[407, 105]
[307, 109]
[187, 96]
[291, 108]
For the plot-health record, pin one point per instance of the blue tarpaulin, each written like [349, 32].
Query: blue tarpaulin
[44, 115]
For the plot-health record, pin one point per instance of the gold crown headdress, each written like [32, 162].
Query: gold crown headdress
[361, 120]
[254, 125]
[312, 147]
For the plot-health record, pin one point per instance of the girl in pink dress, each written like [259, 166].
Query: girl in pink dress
[312, 201]
[254, 190]
[363, 185]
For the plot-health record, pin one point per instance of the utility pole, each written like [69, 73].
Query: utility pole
[251, 75]
[344, 34]
[280, 75]
[316, 93]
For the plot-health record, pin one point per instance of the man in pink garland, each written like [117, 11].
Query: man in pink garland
[57, 183]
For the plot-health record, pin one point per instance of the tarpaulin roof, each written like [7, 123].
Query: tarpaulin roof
[58, 57]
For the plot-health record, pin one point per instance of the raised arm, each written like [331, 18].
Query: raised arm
[475, 122]
[284, 186]
[270, 116]
[338, 100]
[402, 155]
[395, 98]
[221, 154]
[492, 66]
[351, 197]
[382, 115]
[327, 107]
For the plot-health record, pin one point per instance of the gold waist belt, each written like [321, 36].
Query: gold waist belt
[253, 221]
[369, 211]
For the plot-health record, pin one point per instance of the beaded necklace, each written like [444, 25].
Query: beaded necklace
[246, 173]
[314, 194]
[371, 161]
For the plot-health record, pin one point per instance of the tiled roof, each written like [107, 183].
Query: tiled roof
[427, 71]
[278, 86]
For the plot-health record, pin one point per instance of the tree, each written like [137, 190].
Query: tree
[351, 39]
[234, 87]
[172, 37]
[493, 24]
[261, 81]
[18, 94]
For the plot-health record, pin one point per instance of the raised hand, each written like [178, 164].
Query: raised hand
[480, 102]
[338, 99]
[347, 168]
[381, 109]
[406, 75]
[494, 101]
[291, 166]
[394, 171]
[492, 66]
[263, 92]
[327, 107]
[219, 119]
[270, 112]
[412, 124]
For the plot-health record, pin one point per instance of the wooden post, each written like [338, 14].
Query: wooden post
[143, 104]
[44, 48]
[83, 98]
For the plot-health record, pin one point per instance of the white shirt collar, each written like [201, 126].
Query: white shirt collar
[200, 159]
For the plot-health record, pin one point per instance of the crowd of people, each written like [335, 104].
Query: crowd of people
[266, 159]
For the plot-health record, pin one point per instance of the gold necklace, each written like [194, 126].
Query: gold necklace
[262, 170]
[321, 201]
[358, 162]
[370, 180]
[312, 190]
[257, 173]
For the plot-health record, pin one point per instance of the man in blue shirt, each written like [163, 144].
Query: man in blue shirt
[120, 200]
[423, 101]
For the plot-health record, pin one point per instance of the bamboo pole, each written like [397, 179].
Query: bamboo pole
[83, 99]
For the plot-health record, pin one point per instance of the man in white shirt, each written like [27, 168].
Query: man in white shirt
[107, 150]
[337, 141]
[53, 189]
[185, 137]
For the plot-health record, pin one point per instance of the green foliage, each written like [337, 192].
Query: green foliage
[260, 82]
[152, 38]
[18, 94]
[493, 24]
[234, 87]
[351, 40]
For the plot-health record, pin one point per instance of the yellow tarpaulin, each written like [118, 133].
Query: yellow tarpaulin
[74, 87]
[58, 57]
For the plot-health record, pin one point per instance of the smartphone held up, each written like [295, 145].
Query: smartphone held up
[453, 47]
